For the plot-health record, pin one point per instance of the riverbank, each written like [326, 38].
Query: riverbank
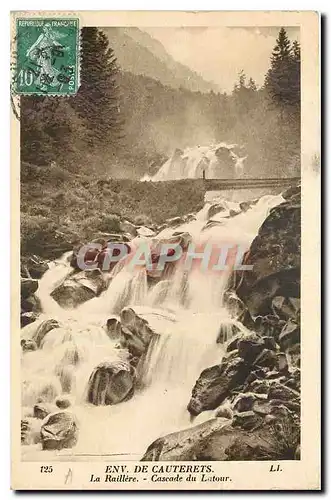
[60, 209]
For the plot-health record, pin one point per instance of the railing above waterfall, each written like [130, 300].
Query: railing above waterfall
[249, 183]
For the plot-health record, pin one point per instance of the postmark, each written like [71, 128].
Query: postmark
[47, 52]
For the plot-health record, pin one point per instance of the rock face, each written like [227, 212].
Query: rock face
[250, 358]
[217, 440]
[215, 384]
[275, 256]
[79, 288]
[59, 430]
[111, 383]
[139, 325]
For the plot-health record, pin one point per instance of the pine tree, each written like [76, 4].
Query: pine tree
[97, 100]
[252, 85]
[280, 80]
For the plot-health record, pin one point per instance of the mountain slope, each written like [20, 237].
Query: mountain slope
[141, 54]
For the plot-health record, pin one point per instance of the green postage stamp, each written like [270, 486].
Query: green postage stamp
[47, 60]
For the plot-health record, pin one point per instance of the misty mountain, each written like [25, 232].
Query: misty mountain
[141, 54]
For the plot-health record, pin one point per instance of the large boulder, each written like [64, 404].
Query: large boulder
[183, 445]
[290, 335]
[113, 327]
[59, 430]
[216, 383]
[110, 383]
[219, 440]
[140, 324]
[79, 288]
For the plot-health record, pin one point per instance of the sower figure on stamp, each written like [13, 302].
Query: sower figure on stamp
[43, 53]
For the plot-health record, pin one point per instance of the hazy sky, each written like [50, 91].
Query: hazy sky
[218, 54]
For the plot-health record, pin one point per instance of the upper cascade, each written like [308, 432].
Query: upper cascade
[220, 161]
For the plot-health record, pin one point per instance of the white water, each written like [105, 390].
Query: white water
[173, 362]
[192, 162]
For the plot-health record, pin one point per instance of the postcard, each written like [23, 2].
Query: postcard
[165, 180]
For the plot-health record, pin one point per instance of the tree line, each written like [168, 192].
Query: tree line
[125, 124]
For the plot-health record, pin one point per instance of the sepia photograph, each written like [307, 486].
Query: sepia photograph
[160, 257]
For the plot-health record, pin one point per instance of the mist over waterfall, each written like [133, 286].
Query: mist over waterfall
[184, 315]
[220, 161]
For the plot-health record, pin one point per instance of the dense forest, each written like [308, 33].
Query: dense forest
[123, 125]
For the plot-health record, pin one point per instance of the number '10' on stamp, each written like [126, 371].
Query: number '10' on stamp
[47, 56]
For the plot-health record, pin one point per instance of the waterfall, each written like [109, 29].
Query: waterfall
[215, 161]
[68, 355]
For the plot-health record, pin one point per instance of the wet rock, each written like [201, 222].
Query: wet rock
[30, 304]
[282, 364]
[145, 232]
[262, 408]
[297, 455]
[59, 430]
[249, 347]
[110, 383]
[280, 412]
[227, 330]
[39, 389]
[270, 343]
[33, 267]
[285, 307]
[183, 445]
[267, 359]
[249, 446]
[290, 335]
[113, 328]
[42, 330]
[79, 288]
[247, 420]
[28, 345]
[269, 326]
[28, 318]
[275, 257]
[294, 353]
[128, 227]
[28, 287]
[63, 403]
[282, 392]
[41, 410]
[243, 402]
[140, 324]
[224, 411]
[215, 384]
[175, 221]
[293, 406]
[234, 304]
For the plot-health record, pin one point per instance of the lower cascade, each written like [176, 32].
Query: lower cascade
[114, 371]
